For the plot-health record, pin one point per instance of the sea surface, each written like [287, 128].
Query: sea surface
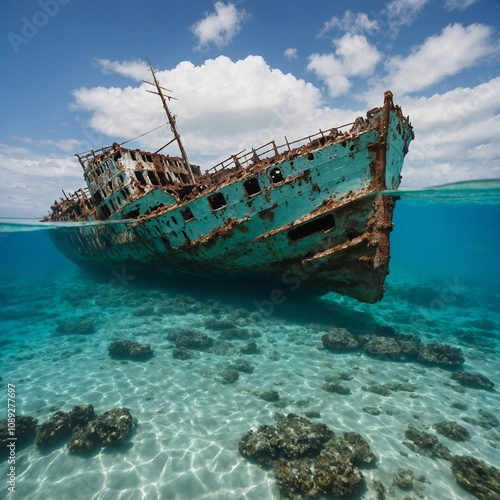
[56, 322]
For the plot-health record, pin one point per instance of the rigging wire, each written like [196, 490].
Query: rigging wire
[142, 135]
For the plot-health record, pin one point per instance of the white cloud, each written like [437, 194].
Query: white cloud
[220, 27]
[401, 13]
[30, 182]
[332, 71]
[453, 50]
[456, 136]
[225, 106]
[136, 70]
[459, 4]
[358, 56]
[351, 22]
[291, 53]
[353, 56]
[222, 106]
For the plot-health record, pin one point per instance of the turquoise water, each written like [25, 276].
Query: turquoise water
[444, 286]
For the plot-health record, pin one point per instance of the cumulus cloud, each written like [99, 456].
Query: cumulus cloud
[353, 57]
[453, 50]
[351, 22]
[219, 28]
[136, 70]
[222, 107]
[30, 182]
[291, 53]
[225, 106]
[456, 136]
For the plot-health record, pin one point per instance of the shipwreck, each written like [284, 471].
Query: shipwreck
[314, 204]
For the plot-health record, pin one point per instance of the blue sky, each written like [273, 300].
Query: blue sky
[243, 72]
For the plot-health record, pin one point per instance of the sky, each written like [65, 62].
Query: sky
[242, 72]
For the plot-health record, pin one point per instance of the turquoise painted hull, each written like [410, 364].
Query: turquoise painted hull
[313, 214]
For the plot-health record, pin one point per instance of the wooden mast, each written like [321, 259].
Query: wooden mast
[171, 119]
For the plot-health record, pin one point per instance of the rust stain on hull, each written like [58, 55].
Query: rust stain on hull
[312, 203]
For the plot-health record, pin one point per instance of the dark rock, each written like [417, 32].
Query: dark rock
[452, 430]
[192, 339]
[229, 376]
[79, 416]
[181, 353]
[113, 426]
[262, 444]
[77, 326]
[401, 386]
[307, 458]
[475, 380]
[420, 438]
[234, 334]
[299, 436]
[339, 339]
[441, 355]
[53, 430]
[312, 414]
[129, 349]
[379, 488]
[372, 410]
[380, 389]
[242, 365]
[334, 474]
[426, 444]
[487, 420]
[84, 439]
[477, 477]
[383, 346]
[269, 396]
[336, 388]
[459, 406]
[409, 345]
[250, 348]
[403, 479]
[23, 429]
[293, 477]
[353, 447]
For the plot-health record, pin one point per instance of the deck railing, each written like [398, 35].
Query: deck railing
[270, 149]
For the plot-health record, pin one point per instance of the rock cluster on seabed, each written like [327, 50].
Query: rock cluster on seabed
[476, 476]
[394, 346]
[24, 429]
[129, 349]
[307, 458]
[80, 425]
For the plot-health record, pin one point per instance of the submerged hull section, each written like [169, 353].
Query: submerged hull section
[313, 213]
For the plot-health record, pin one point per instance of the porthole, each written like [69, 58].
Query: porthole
[187, 214]
[217, 201]
[276, 175]
[252, 187]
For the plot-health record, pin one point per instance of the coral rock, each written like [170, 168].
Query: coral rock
[129, 349]
[339, 339]
[113, 426]
[53, 430]
[473, 380]
[441, 354]
[477, 477]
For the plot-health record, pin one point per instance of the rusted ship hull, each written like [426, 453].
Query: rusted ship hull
[311, 214]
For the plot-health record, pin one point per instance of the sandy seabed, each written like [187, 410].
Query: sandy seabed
[185, 443]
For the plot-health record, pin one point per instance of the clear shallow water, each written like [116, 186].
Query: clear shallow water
[444, 286]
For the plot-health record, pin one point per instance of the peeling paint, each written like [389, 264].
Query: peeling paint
[310, 202]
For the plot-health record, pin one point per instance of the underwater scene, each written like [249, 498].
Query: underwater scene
[118, 386]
